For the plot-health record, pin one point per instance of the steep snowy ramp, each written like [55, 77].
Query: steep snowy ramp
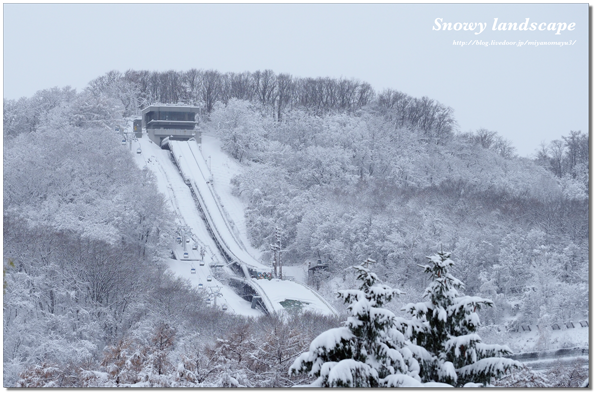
[197, 175]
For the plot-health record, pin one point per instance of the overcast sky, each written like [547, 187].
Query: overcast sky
[528, 94]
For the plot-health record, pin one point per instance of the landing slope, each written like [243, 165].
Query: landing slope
[180, 201]
[197, 174]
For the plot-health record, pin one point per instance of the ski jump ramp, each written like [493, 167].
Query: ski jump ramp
[197, 176]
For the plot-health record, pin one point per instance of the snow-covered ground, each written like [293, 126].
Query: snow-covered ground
[282, 290]
[235, 303]
[535, 340]
[299, 273]
[548, 339]
[227, 218]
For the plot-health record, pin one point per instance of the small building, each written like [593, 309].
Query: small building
[315, 266]
[176, 122]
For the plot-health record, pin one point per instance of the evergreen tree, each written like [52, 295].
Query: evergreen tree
[368, 350]
[445, 326]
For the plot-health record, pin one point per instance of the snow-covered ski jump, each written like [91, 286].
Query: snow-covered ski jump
[195, 172]
[188, 186]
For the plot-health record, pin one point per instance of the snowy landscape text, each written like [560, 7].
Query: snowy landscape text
[479, 27]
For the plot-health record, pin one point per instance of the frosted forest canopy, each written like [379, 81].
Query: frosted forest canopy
[346, 172]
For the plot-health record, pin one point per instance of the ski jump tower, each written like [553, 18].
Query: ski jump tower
[175, 122]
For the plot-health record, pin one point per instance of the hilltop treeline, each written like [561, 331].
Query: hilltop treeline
[277, 94]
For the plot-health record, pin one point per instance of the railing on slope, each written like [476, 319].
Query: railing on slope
[171, 192]
[200, 207]
[551, 354]
[228, 254]
[549, 358]
[206, 215]
[215, 198]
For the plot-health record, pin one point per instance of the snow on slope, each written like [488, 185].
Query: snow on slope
[535, 340]
[180, 201]
[195, 168]
[223, 169]
[235, 303]
[282, 290]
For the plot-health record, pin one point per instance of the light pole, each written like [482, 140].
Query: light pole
[184, 231]
[214, 294]
[276, 249]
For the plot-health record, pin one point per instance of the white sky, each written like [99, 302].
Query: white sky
[528, 94]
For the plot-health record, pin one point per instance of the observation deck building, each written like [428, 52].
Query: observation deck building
[173, 121]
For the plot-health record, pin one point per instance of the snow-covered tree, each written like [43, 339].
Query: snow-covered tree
[368, 350]
[240, 128]
[445, 325]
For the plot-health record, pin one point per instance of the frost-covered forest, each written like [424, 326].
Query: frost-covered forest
[345, 172]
